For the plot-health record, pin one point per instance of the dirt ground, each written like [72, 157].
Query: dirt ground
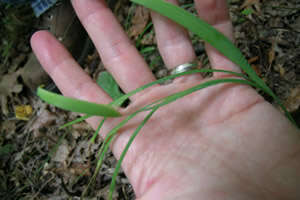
[34, 166]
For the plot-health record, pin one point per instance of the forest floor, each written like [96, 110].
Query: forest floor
[40, 161]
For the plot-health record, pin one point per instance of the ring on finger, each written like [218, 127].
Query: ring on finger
[184, 68]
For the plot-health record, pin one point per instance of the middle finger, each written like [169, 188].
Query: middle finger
[117, 53]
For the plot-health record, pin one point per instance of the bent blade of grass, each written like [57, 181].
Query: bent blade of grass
[156, 105]
[105, 145]
[92, 140]
[204, 31]
[80, 119]
[206, 84]
[76, 105]
[52, 152]
[125, 150]
[174, 97]
[123, 98]
[211, 36]
[162, 80]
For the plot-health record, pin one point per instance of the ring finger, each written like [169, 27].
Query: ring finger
[216, 13]
[173, 41]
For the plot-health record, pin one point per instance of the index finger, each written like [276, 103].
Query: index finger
[69, 77]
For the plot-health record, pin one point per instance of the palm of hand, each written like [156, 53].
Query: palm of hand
[218, 134]
[180, 134]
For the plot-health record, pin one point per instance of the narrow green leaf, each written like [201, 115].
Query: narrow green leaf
[104, 148]
[76, 105]
[52, 152]
[203, 85]
[118, 166]
[107, 82]
[147, 49]
[162, 80]
[211, 36]
[80, 119]
[140, 37]
[123, 98]
[204, 31]
[92, 140]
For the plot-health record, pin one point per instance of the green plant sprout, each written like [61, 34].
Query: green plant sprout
[107, 82]
[202, 30]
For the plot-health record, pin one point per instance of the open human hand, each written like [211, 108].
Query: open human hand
[222, 142]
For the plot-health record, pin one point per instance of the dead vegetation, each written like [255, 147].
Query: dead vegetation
[268, 33]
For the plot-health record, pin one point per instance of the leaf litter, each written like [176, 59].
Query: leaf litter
[268, 37]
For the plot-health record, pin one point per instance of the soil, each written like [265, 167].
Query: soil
[34, 166]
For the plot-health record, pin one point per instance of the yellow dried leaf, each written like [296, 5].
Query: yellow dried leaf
[23, 112]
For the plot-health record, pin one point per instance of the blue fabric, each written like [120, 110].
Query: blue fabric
[15, 1]
[38, 6]
[41, 6]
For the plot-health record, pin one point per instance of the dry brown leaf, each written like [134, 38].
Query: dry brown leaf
[249, 3]
[253, 59]
[256, 69]
[8, 127]
[80, 169]
[293, 101]
[62, 153]
[281, 71]
[148, 39]
[80, 129]
[139, 21]
[255, 3]
[33, 74]
[279, 68]
[44, 119]
[8, 85]
[271, 53]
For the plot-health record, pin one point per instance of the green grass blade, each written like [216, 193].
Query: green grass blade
[80, 119]
[92, 140]
[204, 31]
[174, 97]
[76, 105]
[118, 166]
[162, 80]
[120, 100]
[52, 151]
[105, 145]
[140, 37]
[211, 36]
[147, 49]
[156, 106]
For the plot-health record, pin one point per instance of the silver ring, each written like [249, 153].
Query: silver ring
[184, 68]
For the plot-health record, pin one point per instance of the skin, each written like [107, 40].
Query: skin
[223, 142]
